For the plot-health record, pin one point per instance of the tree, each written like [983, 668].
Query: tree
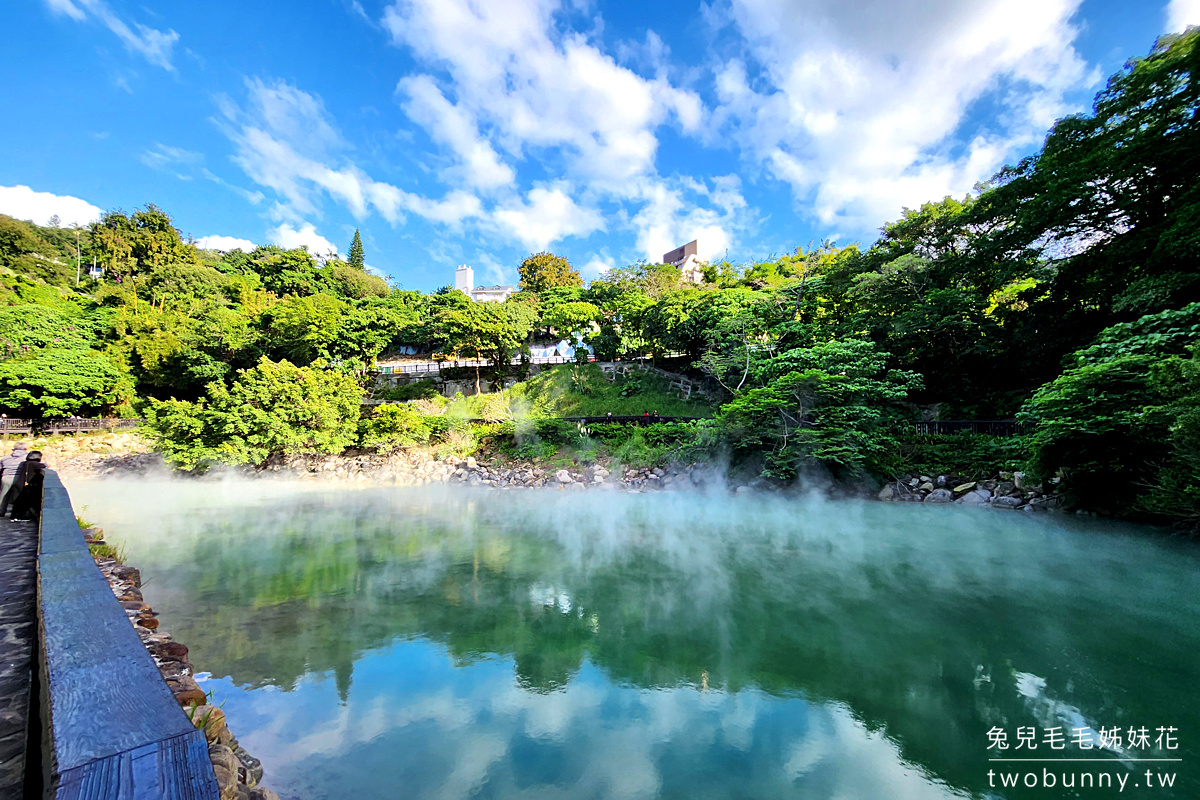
[832, 406]
[544, 270]
[487, 331]
[356, 252]
[1107, 424]
[63, 381]
[127, 244]
[274, 408]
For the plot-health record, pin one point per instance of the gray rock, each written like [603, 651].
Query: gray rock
[262, 793]
[253, 767]
[927, 486]
[887, 492]
[941, 481]
[939, 496]
[1008, 502]
[979, 497]
[562, 476]
[222, 756]
[964, 487]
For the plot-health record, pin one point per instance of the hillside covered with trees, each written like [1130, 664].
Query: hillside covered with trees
[1065, 291]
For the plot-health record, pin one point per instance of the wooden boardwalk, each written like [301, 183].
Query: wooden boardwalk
[18, 628]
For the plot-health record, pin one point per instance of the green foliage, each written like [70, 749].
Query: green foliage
[971, 456]
[24, 249]
[272, 408]
[63, 381]
[391, 426]
[355, 259]
[1119, 416]
[830, 405]
[417, 390]
[30, 326]
[128, 244]
[542, 271]
[347, 281]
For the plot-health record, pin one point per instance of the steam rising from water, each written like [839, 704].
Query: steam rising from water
[549, 643]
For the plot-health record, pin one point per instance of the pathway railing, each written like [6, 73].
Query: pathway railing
[115, 730]
[69, 425]
[986, 427]
[423, 367]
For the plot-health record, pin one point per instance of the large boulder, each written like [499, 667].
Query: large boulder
[978, 497]
[1008, 502]
[887, 492]
[939, 496]
[564, 477]
[964, 487]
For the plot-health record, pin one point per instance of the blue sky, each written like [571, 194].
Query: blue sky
[478, 131]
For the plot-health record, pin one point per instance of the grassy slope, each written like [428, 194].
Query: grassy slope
[554, 393]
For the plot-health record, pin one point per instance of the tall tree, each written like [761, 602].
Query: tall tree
[544, 270]
[356, 252]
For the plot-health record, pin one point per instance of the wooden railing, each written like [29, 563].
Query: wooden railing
[79, 425]
[70, 425]
[114, 729]
[986, 427]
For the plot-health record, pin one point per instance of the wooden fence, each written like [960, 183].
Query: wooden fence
[75, 425]
[986, 427]
[114, 729]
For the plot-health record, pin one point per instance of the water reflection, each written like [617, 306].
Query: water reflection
[595, 645]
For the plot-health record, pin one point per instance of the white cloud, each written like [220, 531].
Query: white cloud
[680, 210]
[867, 109]
[154, 45]
[286, 141]
[23, 202]
[537, 88]
[1181, 13]
[225, 243]
[596, 266]
[455, 127]
[306, 236]
[165, 155]
[545, 216]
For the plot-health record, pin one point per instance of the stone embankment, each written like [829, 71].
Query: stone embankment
[1011, 490]
[237, 772]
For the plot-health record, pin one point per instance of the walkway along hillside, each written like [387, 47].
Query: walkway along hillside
[115, 730]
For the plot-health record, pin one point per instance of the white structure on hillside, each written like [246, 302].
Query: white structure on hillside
[464, 281]
[687, 260]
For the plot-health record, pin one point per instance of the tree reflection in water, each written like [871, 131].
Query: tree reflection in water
[913, 626]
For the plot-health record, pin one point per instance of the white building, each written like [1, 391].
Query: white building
[464, 281]
[688, 261]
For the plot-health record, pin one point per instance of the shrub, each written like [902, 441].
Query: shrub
[1118, 417]
[272, 408]
[392, 426]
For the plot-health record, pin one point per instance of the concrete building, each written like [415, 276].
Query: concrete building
[687, 260]
[464, 281]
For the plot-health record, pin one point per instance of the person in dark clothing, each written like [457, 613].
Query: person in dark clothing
[9, 466]
[25, 496]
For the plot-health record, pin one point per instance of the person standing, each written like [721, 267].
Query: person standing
[8, 469]
[26, 492]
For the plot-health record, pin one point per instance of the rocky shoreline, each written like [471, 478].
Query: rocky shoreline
[237, 772]
[1011, 490]
[127, 454]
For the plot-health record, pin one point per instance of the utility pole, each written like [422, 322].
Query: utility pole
[78, 259]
